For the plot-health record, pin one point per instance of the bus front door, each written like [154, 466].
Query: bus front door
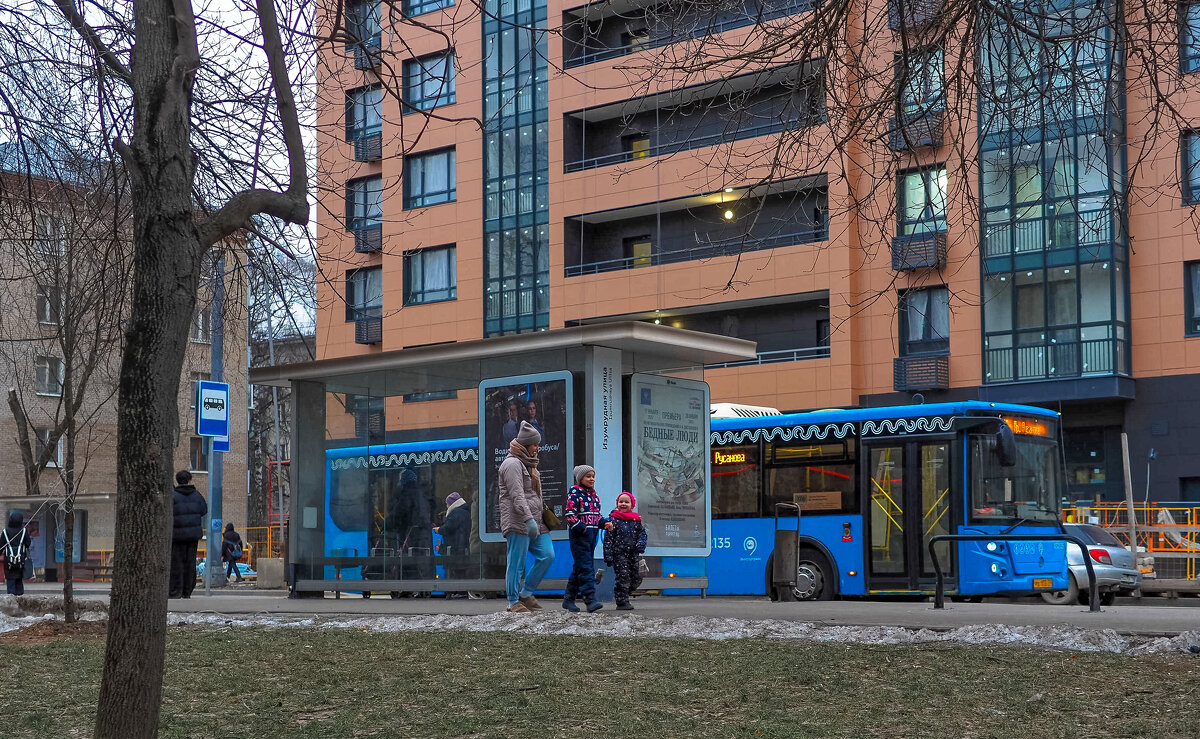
[908, 501]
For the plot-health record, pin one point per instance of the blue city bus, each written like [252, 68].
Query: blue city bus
[871, 485]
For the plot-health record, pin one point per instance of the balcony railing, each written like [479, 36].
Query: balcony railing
[917, 251]
[728, 247]
[368, 331]
[368, 239]
[916, 131]
[782, 355]
[592, 55]
[697, 142]
[927, 372]
[912, 13]
[1089, 228]
[1051, 360]
[368, 147]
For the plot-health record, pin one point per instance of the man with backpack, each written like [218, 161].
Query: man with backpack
[231, 551]
[14, 543]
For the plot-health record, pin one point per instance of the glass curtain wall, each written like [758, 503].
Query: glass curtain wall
[1052, 184]
[516, 166]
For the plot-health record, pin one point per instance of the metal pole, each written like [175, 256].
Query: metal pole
[1129, 496]
[213, 574]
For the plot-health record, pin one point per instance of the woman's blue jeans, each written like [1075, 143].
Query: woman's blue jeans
[519, 545]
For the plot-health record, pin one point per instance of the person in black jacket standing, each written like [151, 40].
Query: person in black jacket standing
[189, 509]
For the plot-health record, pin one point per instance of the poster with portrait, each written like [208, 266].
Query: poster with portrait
[669, 450]
[544, 400]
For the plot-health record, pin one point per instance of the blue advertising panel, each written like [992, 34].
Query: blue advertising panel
[546, 401]
[212, 408]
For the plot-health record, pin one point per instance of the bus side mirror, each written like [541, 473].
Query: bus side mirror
[1006, 445]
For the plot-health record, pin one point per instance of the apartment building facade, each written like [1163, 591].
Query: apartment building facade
[887, 228]
[66, 299]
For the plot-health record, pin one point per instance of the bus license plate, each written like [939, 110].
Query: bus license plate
[1043, 582]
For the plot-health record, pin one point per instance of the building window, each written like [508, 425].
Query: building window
[921, 201]
[640, 250]
[920, 84]
[430, 179]
[635, 39]
[363, 27]
[924, 321]
[198, 461]
[1189, 38]
[49, 371]
[51, 234]
[430, 275]
[1189, 146]
[364, 203]
[364, 293]
[49, 305]
[202, 326]
[1191, 286]
[412, 8]
[428, 82]
[42, 440]
[637, 145]
[193, 378]
[431, 395]
[364, 112]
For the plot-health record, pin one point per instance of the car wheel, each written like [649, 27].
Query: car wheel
[814, 577]
[1063, 597]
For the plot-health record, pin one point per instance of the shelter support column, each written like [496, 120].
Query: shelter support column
[306, 528]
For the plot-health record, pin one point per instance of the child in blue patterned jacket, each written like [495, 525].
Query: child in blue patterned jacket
[583, 526]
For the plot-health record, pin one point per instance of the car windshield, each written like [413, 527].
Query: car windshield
[1027, 491]
[1094, 535]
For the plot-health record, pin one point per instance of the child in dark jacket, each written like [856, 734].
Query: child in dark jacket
[14, 544]
[583, 526]
[623, 547]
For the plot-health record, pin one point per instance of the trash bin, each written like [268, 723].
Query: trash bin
[784, 561]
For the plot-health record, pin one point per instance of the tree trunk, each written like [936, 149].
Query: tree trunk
[69, 614]
[166, 265]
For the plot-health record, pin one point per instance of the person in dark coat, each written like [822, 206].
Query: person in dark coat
[14, 544]
[188, 509]
[623, 547]
[456, 538]
[231, 551]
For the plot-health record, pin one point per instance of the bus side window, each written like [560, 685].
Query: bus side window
[736, 481]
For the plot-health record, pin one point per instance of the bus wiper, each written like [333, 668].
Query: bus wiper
[1018, 523]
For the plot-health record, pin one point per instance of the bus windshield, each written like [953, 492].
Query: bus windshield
[1028, 490]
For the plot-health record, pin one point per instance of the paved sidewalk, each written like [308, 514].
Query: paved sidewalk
[1127, 617]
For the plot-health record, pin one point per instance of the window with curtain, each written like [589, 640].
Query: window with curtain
[364, 203]
[49, 373]
[1191, 286]
[921, 196]
[1189, 38]
[925, 321]
[428, 82]
[919, 81]
[430, 179]
[364, 293]
[363, 112]
[363, 26]
[430, 275]
[1189, 145]
[49, 305]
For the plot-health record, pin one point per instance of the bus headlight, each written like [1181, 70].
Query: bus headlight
[995, 546]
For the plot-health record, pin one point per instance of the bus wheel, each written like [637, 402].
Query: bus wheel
[1063, 597]
[814, 577]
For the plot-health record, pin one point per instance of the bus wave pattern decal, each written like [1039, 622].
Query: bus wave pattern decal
[384, 461]
[906, 425]
[803, 433]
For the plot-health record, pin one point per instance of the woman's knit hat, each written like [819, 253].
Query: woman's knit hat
[452, 498]
[581, 470]
[528, 434]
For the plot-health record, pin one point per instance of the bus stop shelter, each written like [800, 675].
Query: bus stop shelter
[380, 439]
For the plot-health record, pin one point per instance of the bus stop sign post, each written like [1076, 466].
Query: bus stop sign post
[939, 597]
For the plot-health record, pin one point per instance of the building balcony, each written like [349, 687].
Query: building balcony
[697, 227]
[367, 54]
[919, 251]
[1049, 360]
[917, 131]
[912, 14]
[608, 30]
[368, 330]
[368, 239]
[783, 355]
[921, 372]
[368, 147]
[1039, 237]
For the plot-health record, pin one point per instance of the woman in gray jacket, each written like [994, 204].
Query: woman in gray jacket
[521, 520]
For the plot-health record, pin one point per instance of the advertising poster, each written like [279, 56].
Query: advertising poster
[545, 401]
[669, 449]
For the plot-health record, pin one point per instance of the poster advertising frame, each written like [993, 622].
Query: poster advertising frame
[669, 463]
[546, 398]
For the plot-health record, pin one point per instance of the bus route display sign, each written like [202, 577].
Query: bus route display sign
[670, 454]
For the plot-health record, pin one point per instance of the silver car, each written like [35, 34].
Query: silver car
[1116, 569]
